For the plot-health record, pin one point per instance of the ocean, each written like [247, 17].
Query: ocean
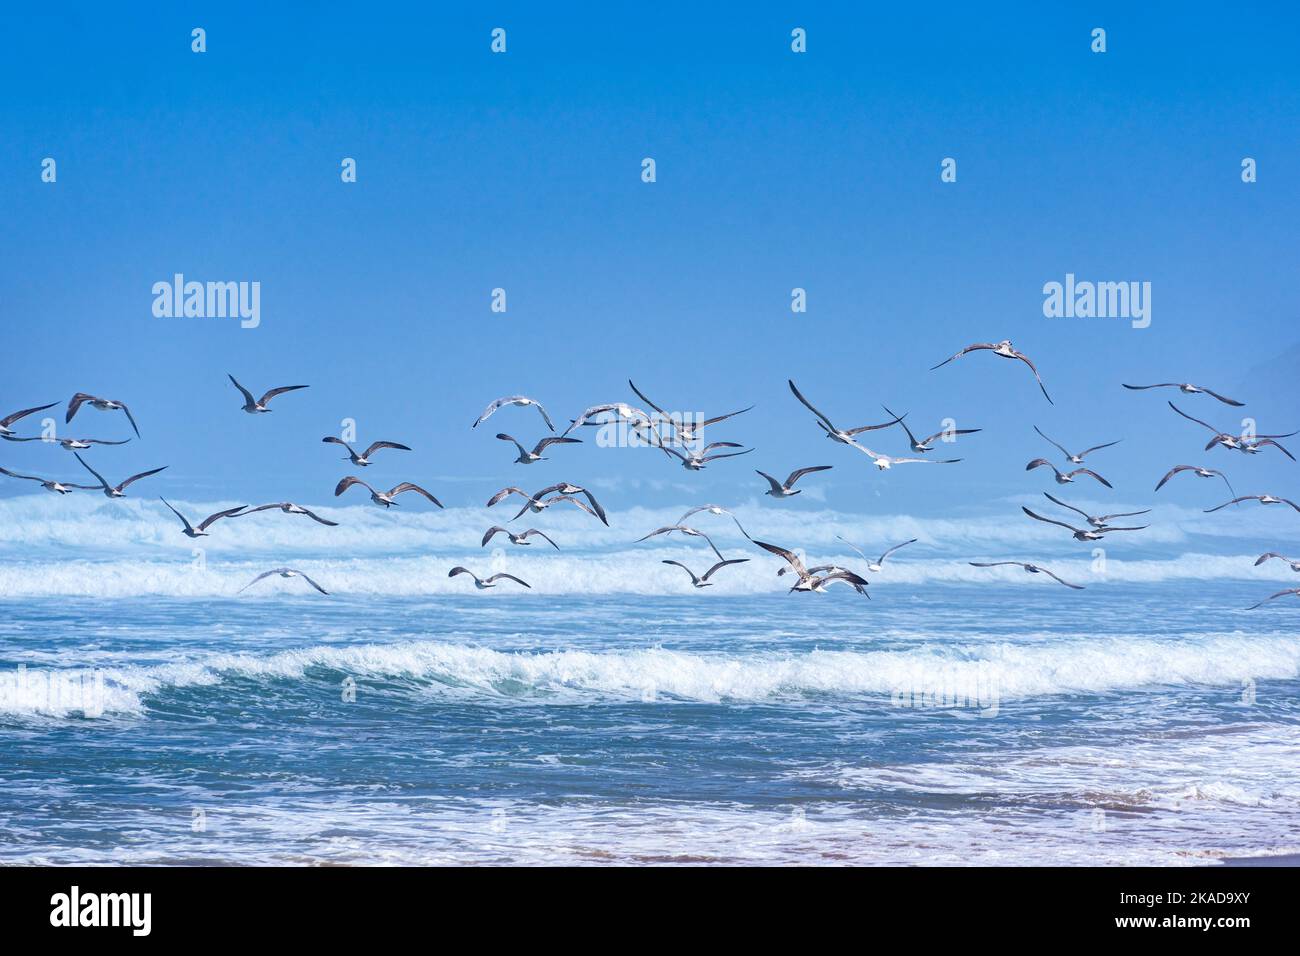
[613, 714]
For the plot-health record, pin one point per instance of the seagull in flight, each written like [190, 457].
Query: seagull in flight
[528, 457]
[695, 460]
[1099, 521]
[808, 577]
[116, 491]
[202, 530]
[1274, 597]
[686, 530]
[783, 489]
[704, 582]
[521, 400]
[289, 508]
[384, 498]
[623, 412]
[1187, 389]
[841, 435]
[1080, 534]
[1262, 499]
[1031, 568]
[927, 444]
[1067, 478]
[8, 420]
[363, 459]
[1269, 555]
[1234, 442]
[1076, 459]
[875, 566]
[68, 444]
[284, 573]
[687, 431]
[565, 491]
[1199, 472]
[484, 583]
[256, 406]
[103, 404]
[885, 462]
[1005, 350]
[714, 510]
[521, 538]
[49, 484]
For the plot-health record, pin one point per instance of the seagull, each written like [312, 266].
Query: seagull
[1098, 521]
[103, 404]
[1186, 389]
[829, 574]
[520, 538]
[484, 583]
[528, 457]
[49, 484]
[704, 582]
[688, 432]
[1005, 350]
[1031, 568]
[284, 573]
[363, 459]
[875, 566]
[10, 419]
[1233, 441]
[695, 460]
[1295, 591]
[111, 491]
[1262, 499]
[255, 406]
[843, 436]
[714, 510]
[686, 530]
[1199, 472]
[885, 462]
[384, 498]
[569, 488]
[1065, 479]
[289, 508]
[622, 412]
[513, 400]
[1077, 459]
[68, 444]
[927, 444]
[808, 579]
[1254, 447]
[783, 490]
[202, 530]
[537, 503]
[1295, 565]
[1080, 534]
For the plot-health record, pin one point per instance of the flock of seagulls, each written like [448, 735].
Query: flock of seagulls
[682, 439]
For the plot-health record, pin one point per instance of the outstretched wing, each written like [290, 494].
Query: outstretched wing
[1091, 474]
[228, 513]
[492, 531]
[1058, 445]
[807, 404]
[104, 484]
[375, 446]
[1039, 517]
[1222, 398]
[346, 483]
[776, 485]
[969, 348]
[533, 531]
[502, 576]
[1077, 511]
[10, 419]
[694, 579]
[270, 394]
[248, 396]
[411, 486]
[799, 473]
[74, 404]
[895, 548]
[184, 520]
[721, 564]
[1077, 587]
[1033, 368]
[143, 474]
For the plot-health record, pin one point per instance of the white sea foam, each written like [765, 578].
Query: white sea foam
[1012, 671]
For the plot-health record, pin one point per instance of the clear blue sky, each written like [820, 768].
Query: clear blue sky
[522, 171]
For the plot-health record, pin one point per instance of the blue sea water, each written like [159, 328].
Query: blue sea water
[1135, 723]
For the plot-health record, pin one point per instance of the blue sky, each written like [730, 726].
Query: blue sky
[775, 170]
